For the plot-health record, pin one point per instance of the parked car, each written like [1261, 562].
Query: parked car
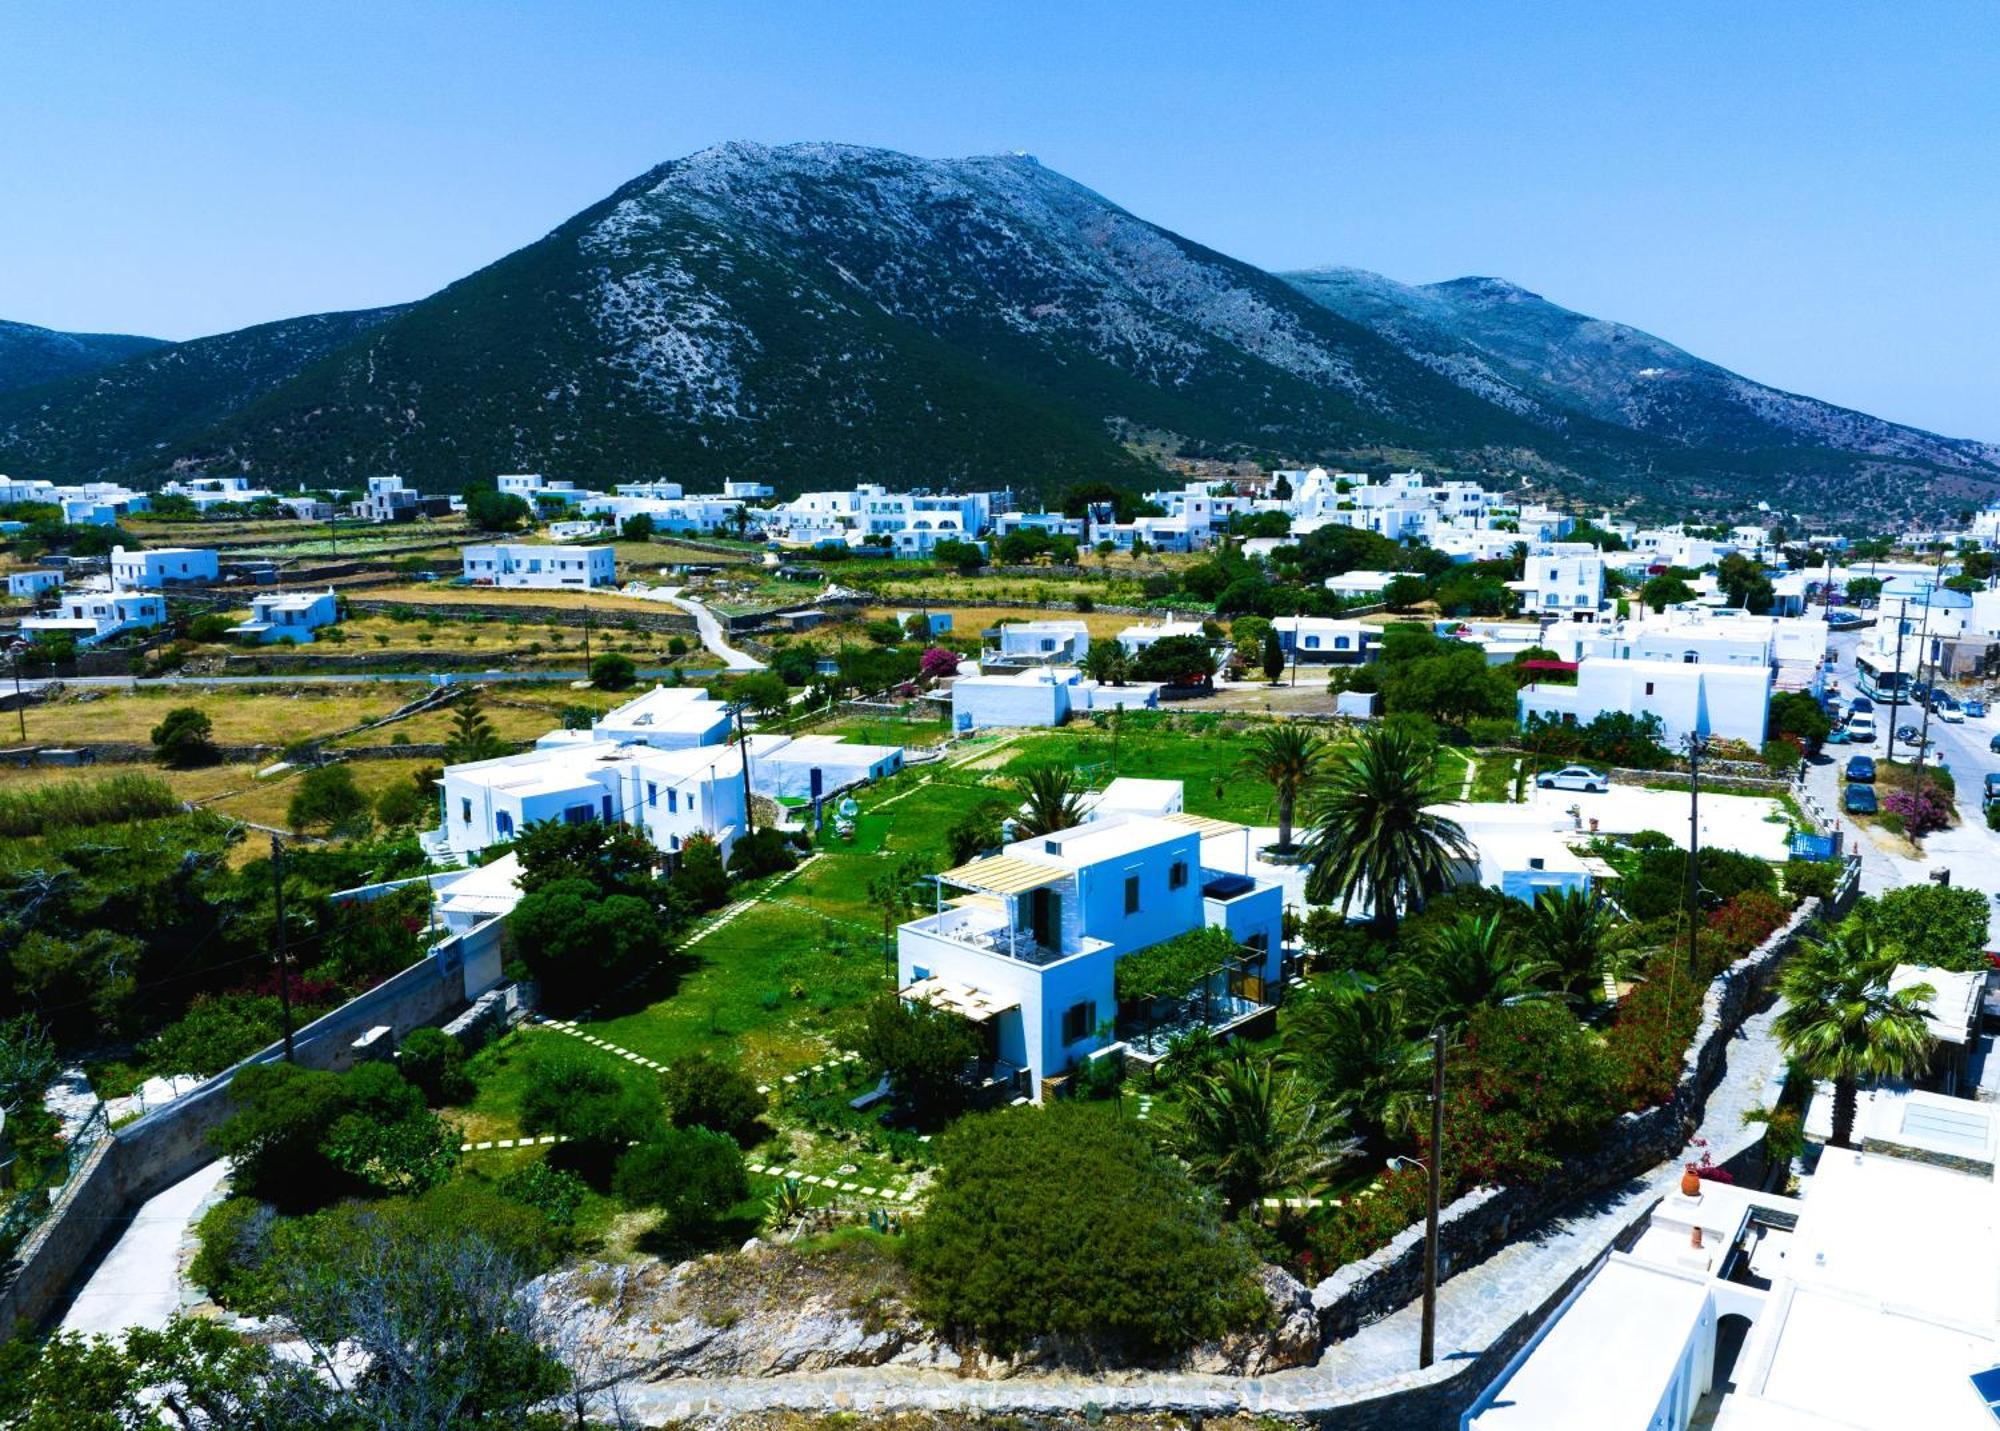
[1861, 769]
[1845, 621]
[1947, 708]
[1574, 777]
[1859, 800]
[1994, 745]
[1974, 707]
[1861, 706]
[1838, 736]
[1992, 791]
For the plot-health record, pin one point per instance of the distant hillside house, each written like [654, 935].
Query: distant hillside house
[524, 564]
[293, 615]
[94, 616]
[163, 566]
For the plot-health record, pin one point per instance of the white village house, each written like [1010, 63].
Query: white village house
[1025, 943]
[288, 615]
[534, 565]
[163, 566]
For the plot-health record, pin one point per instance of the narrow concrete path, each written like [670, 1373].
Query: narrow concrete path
[138, 1284]
[710, 628]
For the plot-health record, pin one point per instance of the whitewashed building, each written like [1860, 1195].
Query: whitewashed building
[163, 566]
[526, 564]
[1024, 944]
[93, 616]
[1053, 643]
[671, 795]
[33, 583]
[288, 616]
[1563, 580]
[208, 493]
[667, 718]
[1690, 698]
[1040, 696]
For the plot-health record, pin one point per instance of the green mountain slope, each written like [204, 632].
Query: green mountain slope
[31, 355]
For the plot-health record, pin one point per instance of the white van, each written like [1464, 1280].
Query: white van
[1861, 728]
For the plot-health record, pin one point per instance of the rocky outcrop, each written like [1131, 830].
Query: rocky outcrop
[770, 1311]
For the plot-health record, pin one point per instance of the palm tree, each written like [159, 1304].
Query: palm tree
[1053, 800]
[1371, 831]
[1353, 1041]
[1470, 964]
[1841, 1021]
[1577, 931]
[1248, 1130]
[1289, 758]
[1106, 662]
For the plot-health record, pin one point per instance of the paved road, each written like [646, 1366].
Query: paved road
[711, 629]
[1970, 851]
[138, 1284]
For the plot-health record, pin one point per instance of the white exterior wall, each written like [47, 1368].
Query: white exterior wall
[981, 701]
[1054, 641]
[1728, 701]
[540, 566]
[157, 568]
[31, 583]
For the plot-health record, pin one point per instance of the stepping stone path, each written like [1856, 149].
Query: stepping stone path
[1145, 1107]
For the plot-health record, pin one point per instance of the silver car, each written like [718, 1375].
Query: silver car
[1574, 777]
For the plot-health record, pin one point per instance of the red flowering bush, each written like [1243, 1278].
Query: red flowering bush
[1747, 921]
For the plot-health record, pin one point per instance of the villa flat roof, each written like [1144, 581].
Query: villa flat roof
[974, 1005]
[1206, 826]
[1003, 874]
[1607, 1360]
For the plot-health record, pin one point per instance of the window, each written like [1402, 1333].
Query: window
[673, 800]
[1131, 894]
[465, 809]
[1649, 688]
[652, 793]
[1079, 1020]
[1177, 875]
[503, 824]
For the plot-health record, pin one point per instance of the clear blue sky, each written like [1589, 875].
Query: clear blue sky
[1809, 193]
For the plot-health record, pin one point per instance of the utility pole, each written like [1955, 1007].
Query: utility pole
[284, 964]
[1896, 679]
[743, 746]
[586, 643]
[1695, 746]
[1427, 1347]
[20, 700]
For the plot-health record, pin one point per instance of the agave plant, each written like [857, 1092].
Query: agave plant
[786, 1208]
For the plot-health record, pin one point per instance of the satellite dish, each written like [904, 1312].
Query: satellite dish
[848, 809]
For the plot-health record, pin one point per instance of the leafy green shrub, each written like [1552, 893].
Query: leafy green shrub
[327, 798]
[691, 1174]
[216, 1032]
[701, 881]
[598, 1108]
[1812, 879]
[232, 1265]
[578, 942]
[923, 1049]
[1065, 1222]
[764, 853]
[556, 1193]
[301, 1138]
[704, 1092]
[1943, 926]
[435, 1062]
[613, 672]
[121, 798]
[185, 737]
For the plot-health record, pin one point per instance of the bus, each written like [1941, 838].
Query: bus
[1878, 677]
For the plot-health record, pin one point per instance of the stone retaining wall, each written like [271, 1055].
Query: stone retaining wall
[151, 1154]
[1473, 1225]
[667, 618]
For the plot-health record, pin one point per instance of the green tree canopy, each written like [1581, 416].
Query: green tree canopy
[1064, 1222]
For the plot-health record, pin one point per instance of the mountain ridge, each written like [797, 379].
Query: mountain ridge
[821, 313]
[31, 355]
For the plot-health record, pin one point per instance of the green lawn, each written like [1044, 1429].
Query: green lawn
[770, 990]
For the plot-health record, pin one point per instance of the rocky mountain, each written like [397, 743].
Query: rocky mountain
[1522, 352]
[30, 355]
[817, 314]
